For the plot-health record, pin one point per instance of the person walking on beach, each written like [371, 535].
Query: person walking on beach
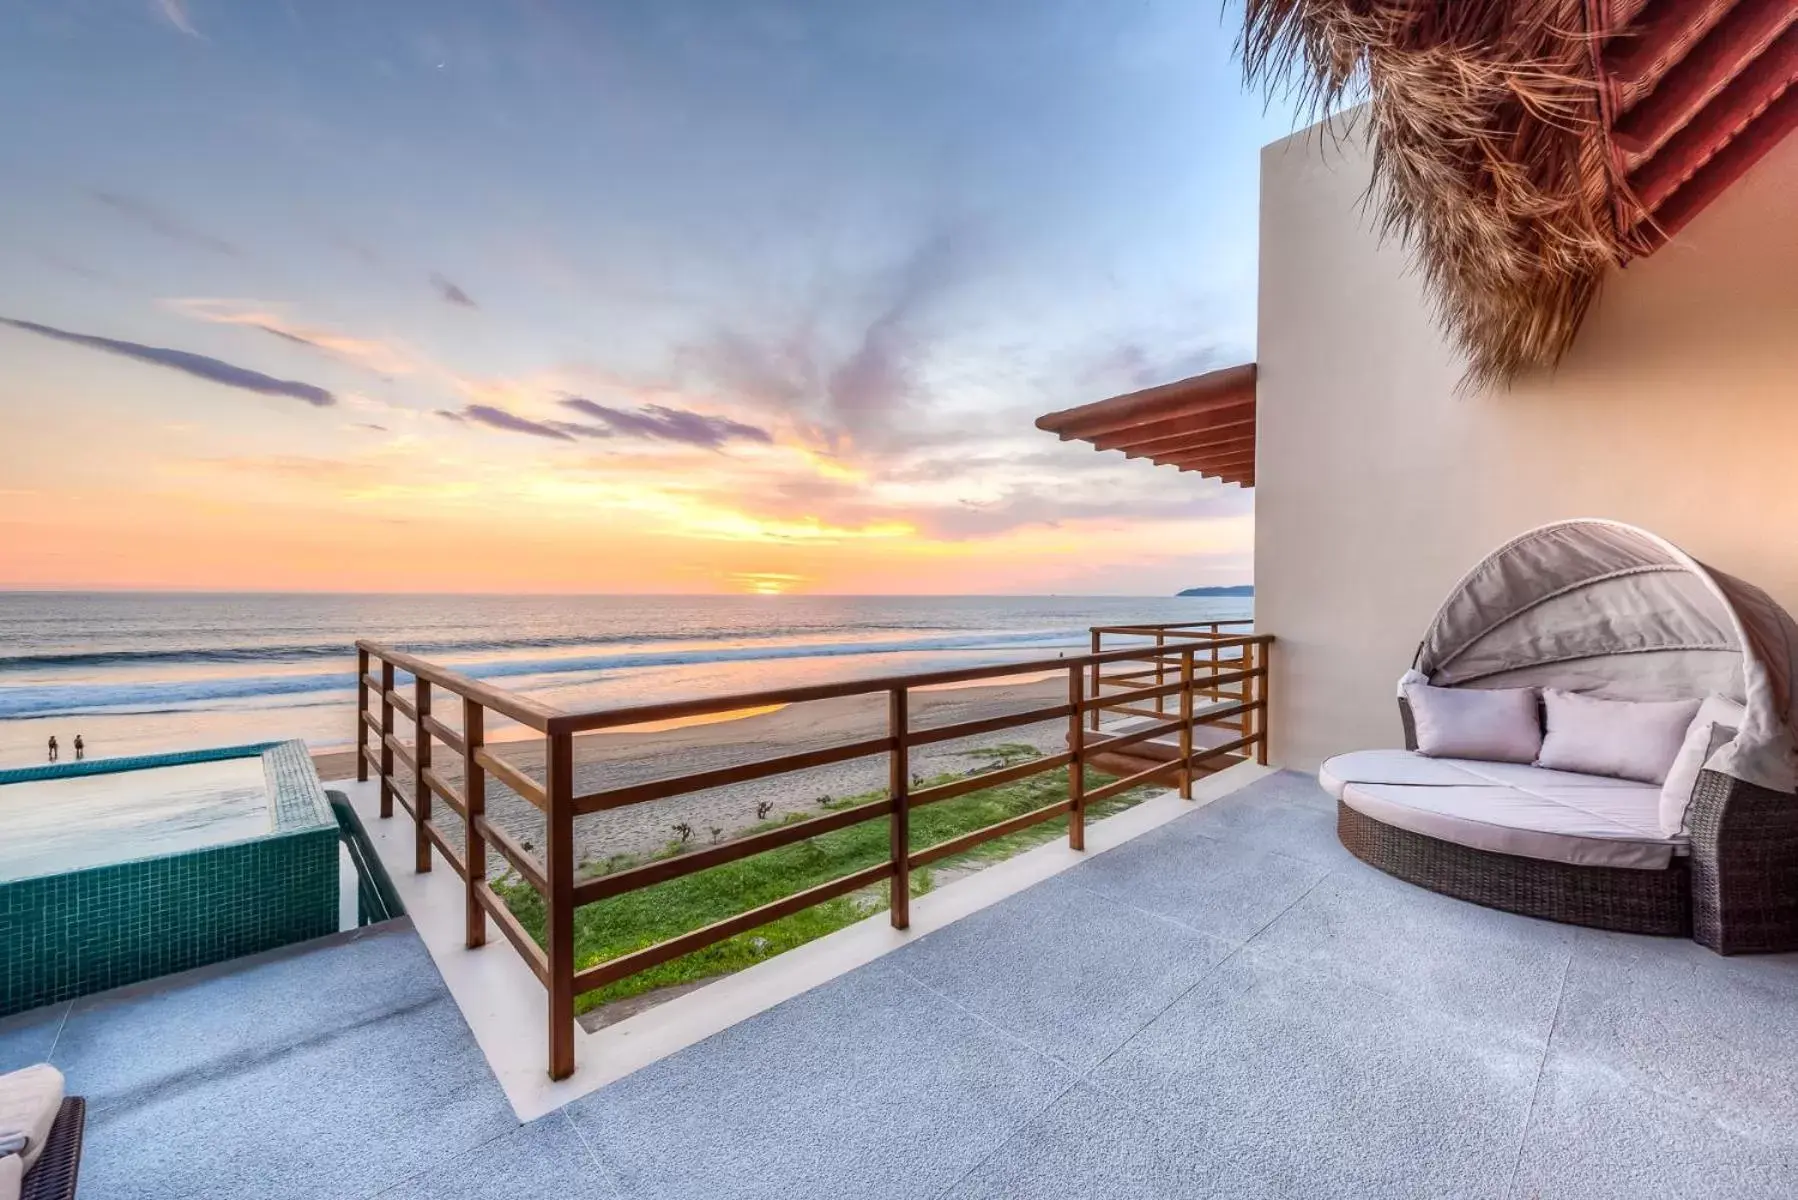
[53, 747]
[80, 750]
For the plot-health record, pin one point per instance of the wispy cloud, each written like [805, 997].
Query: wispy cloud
[499, 418]
[169, 226]
[372, 354]
[175, 13]
[658, 422]
[857, 382]
[450, 292]
[198, 365]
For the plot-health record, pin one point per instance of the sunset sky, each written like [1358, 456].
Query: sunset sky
[636, 297]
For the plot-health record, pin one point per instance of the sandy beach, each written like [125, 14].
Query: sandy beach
[613, 759]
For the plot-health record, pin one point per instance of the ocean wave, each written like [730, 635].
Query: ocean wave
[47, 700]
[312, 651]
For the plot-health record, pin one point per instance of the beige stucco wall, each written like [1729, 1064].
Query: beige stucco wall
[1378, 484]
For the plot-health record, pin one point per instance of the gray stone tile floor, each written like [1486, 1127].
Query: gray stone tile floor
[1230, 1006]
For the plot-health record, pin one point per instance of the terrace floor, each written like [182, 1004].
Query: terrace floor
[1228, 1006]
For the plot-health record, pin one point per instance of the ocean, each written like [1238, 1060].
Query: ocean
[141, 673]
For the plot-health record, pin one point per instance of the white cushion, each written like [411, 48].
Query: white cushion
[12, 1176]
[1491, 724]
[1408, 766]
[29, 1100]
[1716, 713]
[1513, 821]
[1629, 739]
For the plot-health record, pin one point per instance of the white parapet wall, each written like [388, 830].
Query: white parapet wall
[1379, 482]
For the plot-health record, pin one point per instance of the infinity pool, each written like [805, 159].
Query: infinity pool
[64, 824]
[114, 871]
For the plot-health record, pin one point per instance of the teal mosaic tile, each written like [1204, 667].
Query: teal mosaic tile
[84, 931]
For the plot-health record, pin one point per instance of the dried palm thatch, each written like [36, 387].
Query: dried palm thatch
[1490, 156]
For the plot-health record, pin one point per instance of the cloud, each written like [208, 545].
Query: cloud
[154, 218]
[371, 354]
[499, 418]
[875, 382]
[859, 380]
[197, 365]
[450, 292]
[175, 13]
[658, 422]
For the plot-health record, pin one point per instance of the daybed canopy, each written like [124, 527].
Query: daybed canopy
[1608, 609]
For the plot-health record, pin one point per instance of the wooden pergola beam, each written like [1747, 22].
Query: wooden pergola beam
[1233, 422]
[1215, 390]
[1211, 464]
[1174, 447]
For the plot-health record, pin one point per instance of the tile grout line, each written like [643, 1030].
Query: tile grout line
[56, 1039]
[612, 1182]
[401, 1182]
[1529, 1115]
[1212, 970]
[1009, 1138]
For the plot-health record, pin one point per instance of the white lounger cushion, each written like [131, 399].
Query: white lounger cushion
[1405, 766]
[29, 1101]
[1559, 816]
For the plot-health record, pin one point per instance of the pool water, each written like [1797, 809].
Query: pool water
[66, 824]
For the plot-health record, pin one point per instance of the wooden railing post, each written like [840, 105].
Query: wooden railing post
[1160, 670]
[1096, 642]
[558, 865]
[899, 790]
[421, 791]
[1077, 765]
[386, 739]
[1186, 724]
[1214, 692]
[474, 799]
[1260, 682]
[361, 712]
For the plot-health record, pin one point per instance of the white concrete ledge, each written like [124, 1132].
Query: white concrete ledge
[504, 1004]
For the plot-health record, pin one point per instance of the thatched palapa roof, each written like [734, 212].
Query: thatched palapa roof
[1524, 148]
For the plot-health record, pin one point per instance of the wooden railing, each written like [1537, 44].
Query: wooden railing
[1228, 672]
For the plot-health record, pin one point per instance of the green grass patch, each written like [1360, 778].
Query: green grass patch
[621, 924]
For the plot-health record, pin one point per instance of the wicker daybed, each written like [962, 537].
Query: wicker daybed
[1610, 611]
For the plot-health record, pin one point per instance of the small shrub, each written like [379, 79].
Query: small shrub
[683, 831]
[763, 809]
[716, 832]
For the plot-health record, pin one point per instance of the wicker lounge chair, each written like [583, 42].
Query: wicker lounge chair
[54, 1175]
[1604, 608]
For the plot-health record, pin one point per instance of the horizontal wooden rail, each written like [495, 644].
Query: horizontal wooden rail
[987, 779]
[520, 859]
[403, 705]
[512, 777]
[1118, 787]
[441, 840]
[680, 785]
[1107, 742]
[663, 869]
[443, 733]
[708, 706]
[520, 708]
[373, 722]
[400, 750]
[445, 792]
[967, 841]
[515, 932]
[962, 729]
[650, 956]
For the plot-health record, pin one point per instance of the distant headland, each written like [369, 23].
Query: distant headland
[1239, 589]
